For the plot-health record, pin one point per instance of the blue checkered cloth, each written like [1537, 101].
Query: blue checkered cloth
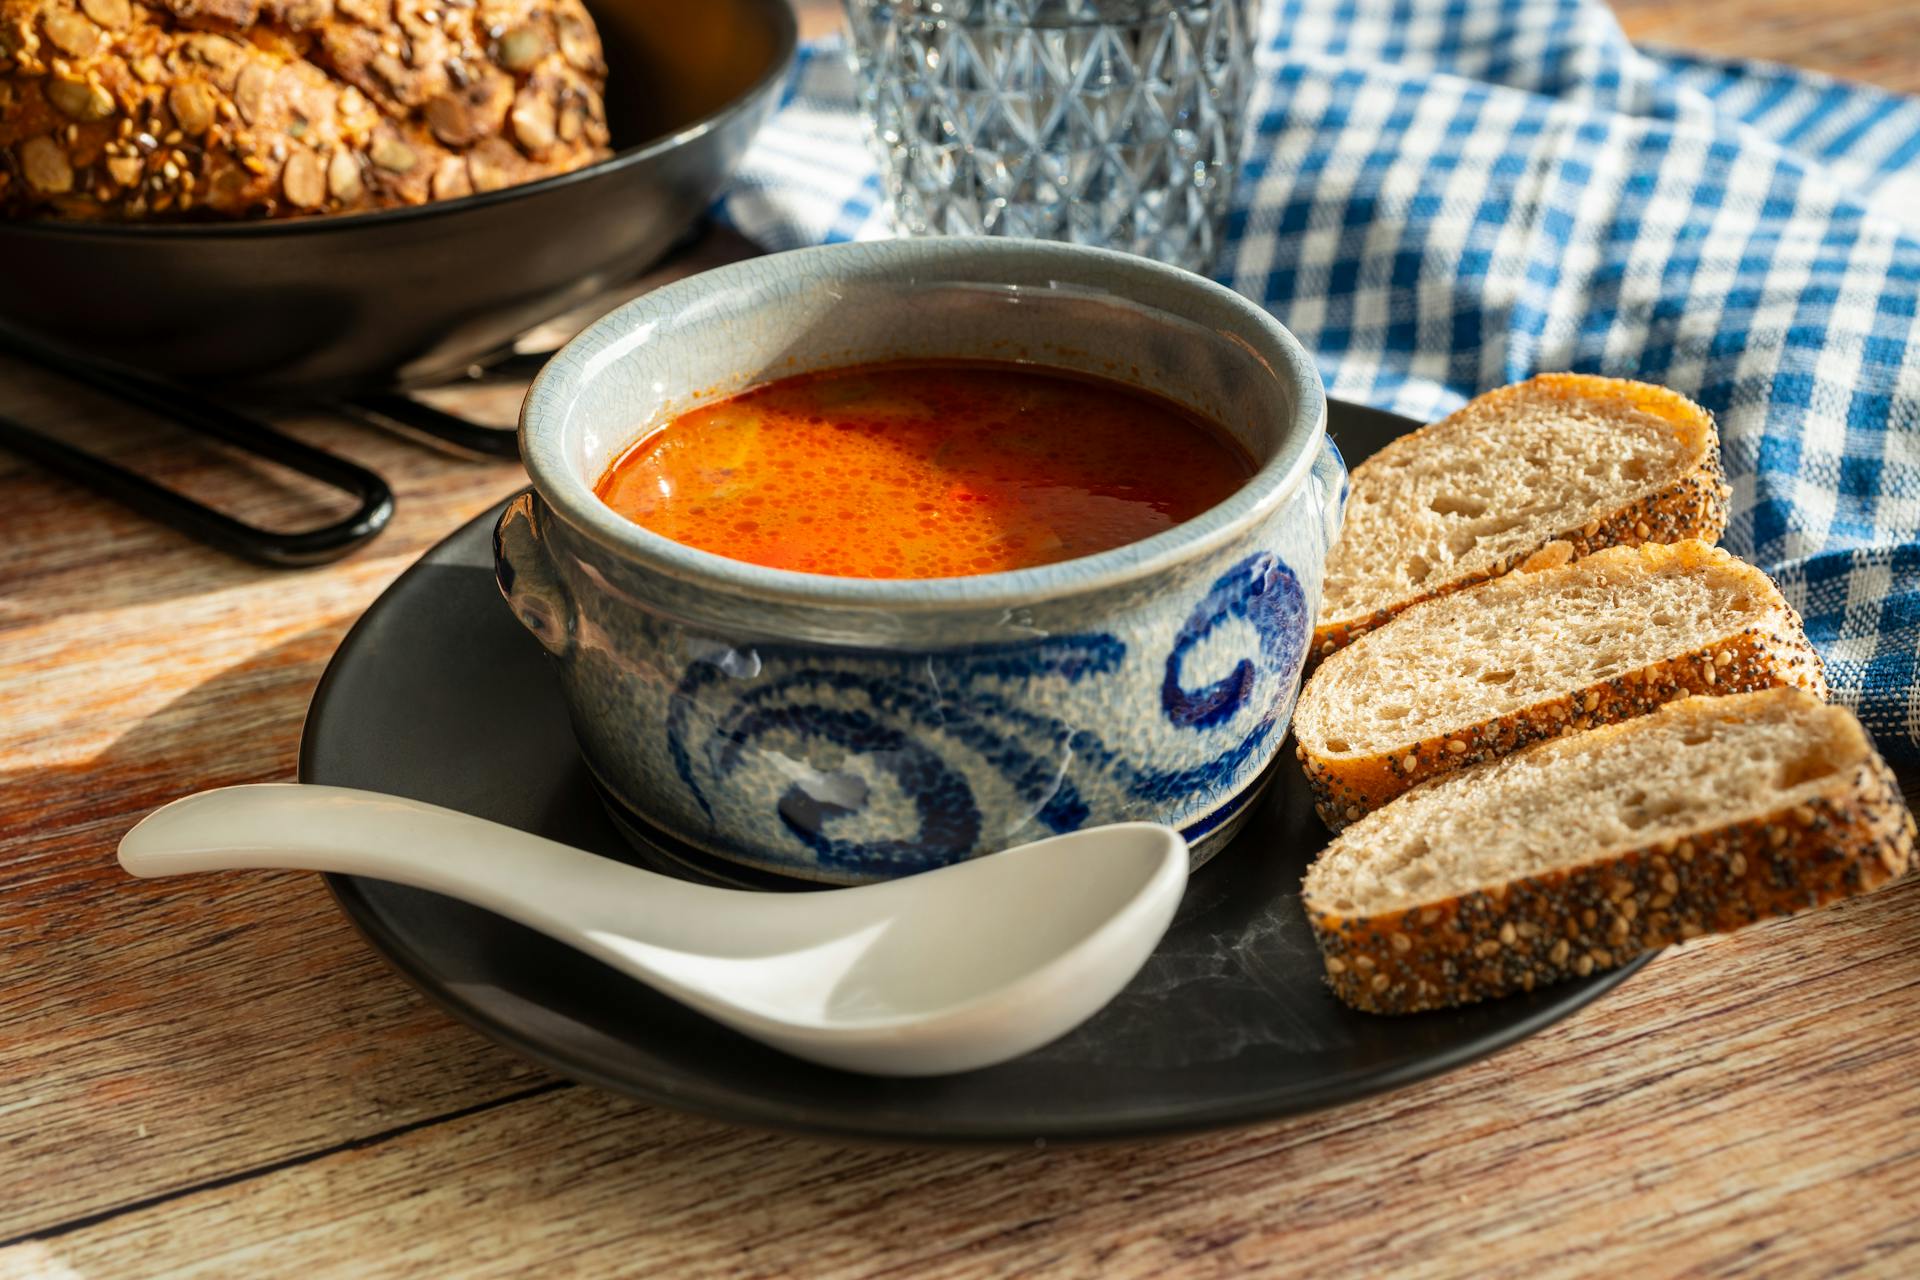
[1441, 196]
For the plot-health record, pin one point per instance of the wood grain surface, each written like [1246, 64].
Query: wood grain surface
[215, 1077]
[1870, 40]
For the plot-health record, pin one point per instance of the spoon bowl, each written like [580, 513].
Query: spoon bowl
[948, 970]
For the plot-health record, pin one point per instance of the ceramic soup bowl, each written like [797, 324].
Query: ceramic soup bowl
[846, 730]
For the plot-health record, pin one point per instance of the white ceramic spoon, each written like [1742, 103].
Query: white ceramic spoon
[948, 970]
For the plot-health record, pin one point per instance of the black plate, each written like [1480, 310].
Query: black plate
[438, 694]
[318, 307]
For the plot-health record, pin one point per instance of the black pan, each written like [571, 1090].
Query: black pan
[336, 306]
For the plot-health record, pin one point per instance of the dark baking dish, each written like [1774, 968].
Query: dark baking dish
[334, 306]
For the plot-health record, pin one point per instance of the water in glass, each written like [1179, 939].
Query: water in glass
[1105, 122]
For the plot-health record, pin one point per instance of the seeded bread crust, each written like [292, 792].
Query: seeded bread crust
[1693, 506]
[170, 109]
[1853, 837]
[1771, 654]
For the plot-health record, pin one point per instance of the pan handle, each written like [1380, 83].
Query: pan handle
[374, 506]
[373, 499]
[437, 426]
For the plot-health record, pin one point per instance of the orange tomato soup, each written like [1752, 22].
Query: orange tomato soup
[924, 470]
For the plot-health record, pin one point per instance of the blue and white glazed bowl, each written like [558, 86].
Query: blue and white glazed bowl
[846, 730]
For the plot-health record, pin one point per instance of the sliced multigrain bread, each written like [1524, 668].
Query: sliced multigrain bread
[1558, 466]
[1580, 853]
[1480, 673]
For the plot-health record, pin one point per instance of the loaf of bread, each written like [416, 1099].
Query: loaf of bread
[163, 109]
[1549, 469]
[1464, 678]
[1578, 854]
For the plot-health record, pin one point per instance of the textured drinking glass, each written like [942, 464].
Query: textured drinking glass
[1103, 122]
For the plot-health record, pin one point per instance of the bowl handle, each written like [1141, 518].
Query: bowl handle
[1329, 482]
[525, 573]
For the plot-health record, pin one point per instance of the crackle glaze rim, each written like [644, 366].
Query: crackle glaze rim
[544, 417]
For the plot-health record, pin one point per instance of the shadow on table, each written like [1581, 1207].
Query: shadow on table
[234, 1019]
[238, 726]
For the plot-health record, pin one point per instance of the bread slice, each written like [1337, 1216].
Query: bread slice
[1580, 853]
[1559, 459]
[1480, 673]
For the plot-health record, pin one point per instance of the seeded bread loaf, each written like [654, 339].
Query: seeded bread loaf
[1480, 673]
[159, 109]
[1545, 470]
[1580, 853]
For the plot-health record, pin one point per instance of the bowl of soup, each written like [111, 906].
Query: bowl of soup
[860, 560]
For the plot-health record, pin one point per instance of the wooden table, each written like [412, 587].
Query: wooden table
[215, 1077]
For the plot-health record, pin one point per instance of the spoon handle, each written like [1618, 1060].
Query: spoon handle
[552, 887]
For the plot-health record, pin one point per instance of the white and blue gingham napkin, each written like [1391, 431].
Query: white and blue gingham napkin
[1440, 196]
